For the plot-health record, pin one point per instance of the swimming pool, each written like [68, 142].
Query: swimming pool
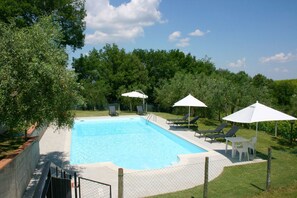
[131, 143]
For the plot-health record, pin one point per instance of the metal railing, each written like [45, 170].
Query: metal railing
[152, 117]
[56, 182]
[53, 184]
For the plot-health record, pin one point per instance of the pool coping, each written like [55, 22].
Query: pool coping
[183, 158]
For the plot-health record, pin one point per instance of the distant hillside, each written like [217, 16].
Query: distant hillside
[291, 81]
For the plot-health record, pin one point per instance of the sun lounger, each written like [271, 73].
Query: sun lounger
[192, 122]
[219, 129]
[230, 133]
[112, 111]
[185, 118]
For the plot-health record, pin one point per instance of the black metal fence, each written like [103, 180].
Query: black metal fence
[58, 183]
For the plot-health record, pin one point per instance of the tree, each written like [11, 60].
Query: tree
[116, 70]
[283, 91]
[69, 14]
[35, 85]
[95, 93]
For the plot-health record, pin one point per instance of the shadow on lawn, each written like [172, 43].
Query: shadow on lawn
[208, 122]
[284, 142]
[236, 158]
[257, 187]
[284, 145]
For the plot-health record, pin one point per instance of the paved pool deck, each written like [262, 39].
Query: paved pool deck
[187, 173]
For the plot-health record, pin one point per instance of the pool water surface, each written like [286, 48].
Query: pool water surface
[131, 143]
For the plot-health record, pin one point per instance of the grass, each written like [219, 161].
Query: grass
[80, 113]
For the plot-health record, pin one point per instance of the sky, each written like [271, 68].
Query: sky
[255, 36]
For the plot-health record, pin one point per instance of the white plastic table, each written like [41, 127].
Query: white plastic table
[234, 140]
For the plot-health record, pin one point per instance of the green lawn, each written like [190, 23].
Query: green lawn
[80, 113]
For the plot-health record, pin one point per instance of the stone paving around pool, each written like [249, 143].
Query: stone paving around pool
[187, 173]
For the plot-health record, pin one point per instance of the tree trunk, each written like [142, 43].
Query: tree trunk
[26, 137]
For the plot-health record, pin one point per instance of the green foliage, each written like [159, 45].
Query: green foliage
[35, 85]
[69, 14]
[290, 81]
[222, 95]
[116, 72]
[94, 94]
[141, 69]
[285, 94]
[283, 129]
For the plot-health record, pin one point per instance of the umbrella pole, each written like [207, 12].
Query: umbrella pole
[275, 128]
[254, 154]
[143, 107]
[189, 117]
[257, 130]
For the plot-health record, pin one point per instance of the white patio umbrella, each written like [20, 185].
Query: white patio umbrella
[257, 113]
[189, 101]
[136, 94]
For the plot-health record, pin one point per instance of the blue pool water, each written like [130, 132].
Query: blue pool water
[131, 143]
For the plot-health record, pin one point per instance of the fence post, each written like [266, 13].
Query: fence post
[57, 171]
[205, 189]
[75, 185]
[120, 183]
[268, 181]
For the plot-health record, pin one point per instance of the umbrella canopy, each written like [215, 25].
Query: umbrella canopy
[134, 94]
[257, 113]
[189, 101]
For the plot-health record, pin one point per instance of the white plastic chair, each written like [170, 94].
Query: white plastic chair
[243, 148]
[252, 143]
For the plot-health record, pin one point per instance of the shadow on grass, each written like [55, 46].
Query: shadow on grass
[208, 122]
[294, 151]
[234, 160]
[284, 145]
[257, 187]
[284, 142]
[264, 156]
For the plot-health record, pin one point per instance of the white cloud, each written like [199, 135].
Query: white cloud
[198, 32]
[174, 36]
[238, 63]
[280, 70]
[183, 42]
[122, 23]
[280, 57]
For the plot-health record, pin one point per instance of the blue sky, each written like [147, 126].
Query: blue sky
[255, 36]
